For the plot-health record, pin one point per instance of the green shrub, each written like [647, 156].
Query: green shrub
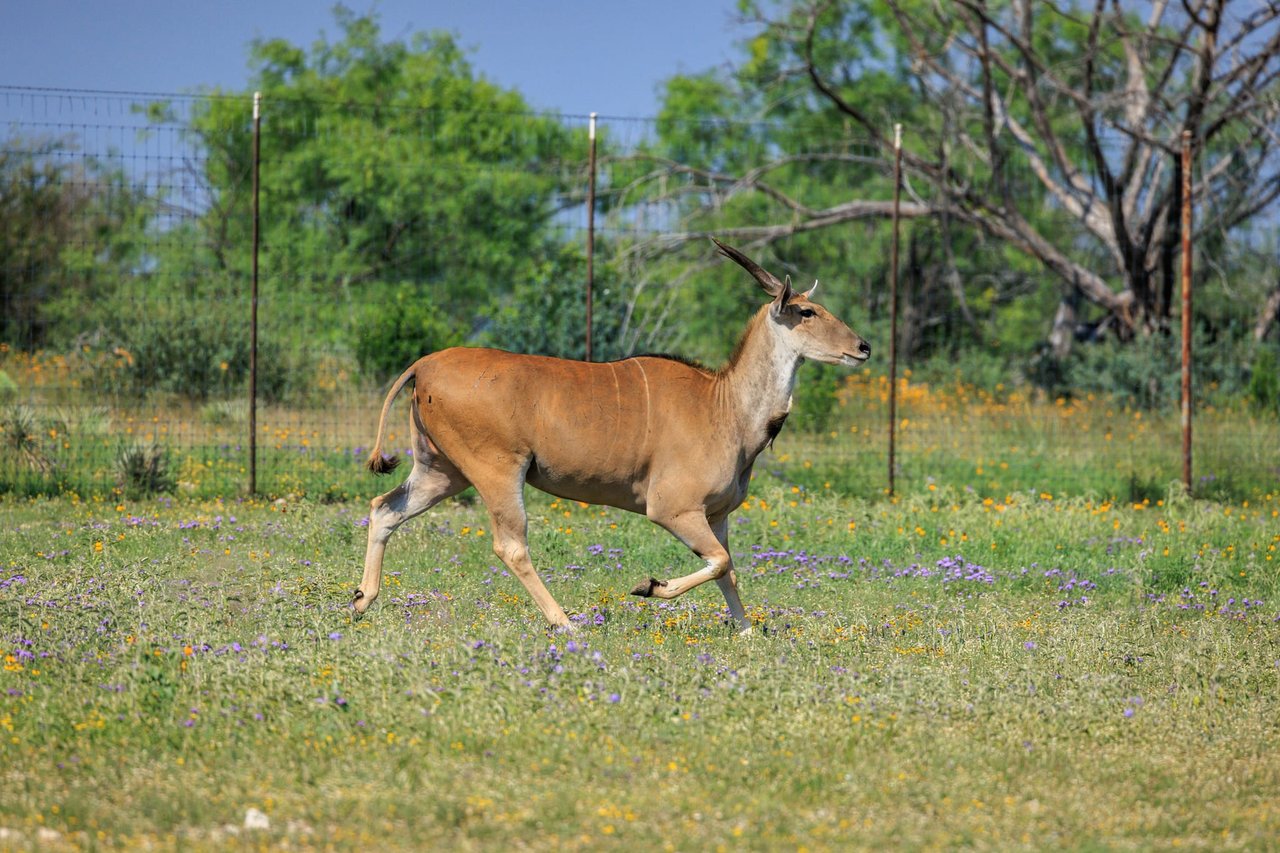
[8, 388]
[1146, 373]
[981, 367]
[1264, 380]
[815, 400]
[20, 430]
[548, 315]
[400, 326]
[181, 350]
[1143, 373]
[143, 470]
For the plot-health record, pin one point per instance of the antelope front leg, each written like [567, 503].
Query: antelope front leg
[729, 588]
[728, 582]
[693, 529]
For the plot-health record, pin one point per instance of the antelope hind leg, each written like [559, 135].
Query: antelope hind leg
[427, 485]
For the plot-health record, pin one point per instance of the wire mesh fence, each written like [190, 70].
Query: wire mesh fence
[389, 231]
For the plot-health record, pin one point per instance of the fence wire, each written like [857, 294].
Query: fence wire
[124, 344]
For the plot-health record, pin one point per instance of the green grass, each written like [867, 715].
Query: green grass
[992, 444]
[936, 671]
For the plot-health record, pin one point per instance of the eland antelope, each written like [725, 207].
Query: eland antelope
[649, 434]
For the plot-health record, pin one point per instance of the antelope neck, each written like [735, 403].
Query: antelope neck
[761, 375]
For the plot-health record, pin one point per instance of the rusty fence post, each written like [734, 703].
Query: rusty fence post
[1186, 309]
[893, 302]
[253, 305]
[591, 223]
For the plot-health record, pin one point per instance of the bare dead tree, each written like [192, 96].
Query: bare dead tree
[1099, 133]
[1268, 315]
[1087, 101]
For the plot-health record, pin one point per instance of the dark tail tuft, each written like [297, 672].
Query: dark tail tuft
[380, 464]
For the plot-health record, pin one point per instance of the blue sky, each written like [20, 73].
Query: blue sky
[572, 56]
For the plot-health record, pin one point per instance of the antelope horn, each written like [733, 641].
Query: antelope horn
[767, 280]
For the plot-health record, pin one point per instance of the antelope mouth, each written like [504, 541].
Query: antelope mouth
[851, 359]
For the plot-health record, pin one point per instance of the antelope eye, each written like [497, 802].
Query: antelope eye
[807, 312]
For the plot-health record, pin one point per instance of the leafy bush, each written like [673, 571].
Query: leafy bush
[1264, 380]
[1144, 373]
[401, 325]
[548, 316]
[815, 399]
[180, 349]
[1147, 373]
[8, 388]
[977, 366]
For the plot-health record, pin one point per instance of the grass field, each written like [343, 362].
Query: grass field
[1030, 671]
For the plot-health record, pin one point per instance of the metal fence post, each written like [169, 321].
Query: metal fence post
[893, 300]
[253, 306]
[591, 224]
[1186, 309]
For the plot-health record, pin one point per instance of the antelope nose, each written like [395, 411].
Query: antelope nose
[864, 349]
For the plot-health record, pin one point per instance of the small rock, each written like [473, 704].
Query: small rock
[254, 819]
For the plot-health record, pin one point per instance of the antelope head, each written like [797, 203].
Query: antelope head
[802, 325]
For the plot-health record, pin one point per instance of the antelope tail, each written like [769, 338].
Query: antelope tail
[378, 463]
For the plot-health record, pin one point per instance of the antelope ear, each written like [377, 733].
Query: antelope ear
[808, 294]
[780, 301]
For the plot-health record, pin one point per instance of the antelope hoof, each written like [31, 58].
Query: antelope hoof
[645, 589]
[360, 602]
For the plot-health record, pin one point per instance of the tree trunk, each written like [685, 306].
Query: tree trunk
[1063, 333]
[1268, 315]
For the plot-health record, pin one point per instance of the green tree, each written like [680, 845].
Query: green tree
[547, 313]
[69, 231]
[394, 179]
